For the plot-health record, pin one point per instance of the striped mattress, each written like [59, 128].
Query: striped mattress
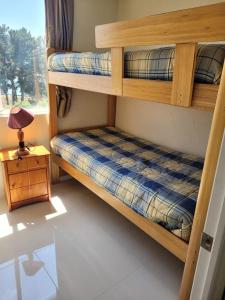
[145, 64]
[156, 182]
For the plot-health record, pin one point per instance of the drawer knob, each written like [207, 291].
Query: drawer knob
[37, 162]
[13, 185]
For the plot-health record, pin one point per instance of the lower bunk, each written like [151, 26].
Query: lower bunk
[154, 187]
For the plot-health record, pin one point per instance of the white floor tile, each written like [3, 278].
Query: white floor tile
[79, 248]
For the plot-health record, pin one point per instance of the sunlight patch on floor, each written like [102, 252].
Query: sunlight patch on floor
[58, 206]
[20, 226]
[5, 228]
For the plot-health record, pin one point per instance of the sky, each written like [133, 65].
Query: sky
[23, 13]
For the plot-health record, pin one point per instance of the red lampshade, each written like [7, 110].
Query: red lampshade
[19, 118]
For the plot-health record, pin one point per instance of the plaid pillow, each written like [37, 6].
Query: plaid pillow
[158, 63]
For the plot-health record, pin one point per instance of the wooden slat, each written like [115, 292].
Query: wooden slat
[204, 95]
[157, 232]
[111, 118]
[80, 129]
[183, 74]
[151, 90]
[6, 185]
[201, 24]
[117, 69]
[53, 120]
[209, 170]
[94, 83]
[53, 127]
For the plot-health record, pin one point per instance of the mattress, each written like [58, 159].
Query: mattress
[155, 64]
[156, 182]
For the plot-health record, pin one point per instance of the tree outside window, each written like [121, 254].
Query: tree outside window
[22, 68]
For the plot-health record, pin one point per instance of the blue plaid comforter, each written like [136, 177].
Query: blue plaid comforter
[146, 64]
[158, 183]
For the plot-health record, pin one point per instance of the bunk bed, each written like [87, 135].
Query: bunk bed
[102, 157]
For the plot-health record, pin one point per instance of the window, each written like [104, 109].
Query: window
[22, 55]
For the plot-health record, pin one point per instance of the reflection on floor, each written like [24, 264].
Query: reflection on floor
[78, 248]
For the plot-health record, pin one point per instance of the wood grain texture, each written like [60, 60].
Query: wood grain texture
[26, 179]
[111, 117]
[11, 155]
[16, 166]
[53, 127]
[157, 232]
[29, 201]
[20, 194]
[117, 70]
[183, 74]
[38, 176]
[53, 119]
[208, 175]
[36, 162]
[29, 192]
[6, 185]
[81, 129]
[204, 95]
[201, 24]
[94, 83]
[18, 180]
[151, 90]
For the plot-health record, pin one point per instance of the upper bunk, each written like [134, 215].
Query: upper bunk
[184, 29]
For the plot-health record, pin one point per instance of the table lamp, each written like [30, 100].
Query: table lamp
[18, 119]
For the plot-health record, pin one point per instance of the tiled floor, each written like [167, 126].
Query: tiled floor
[77, 247]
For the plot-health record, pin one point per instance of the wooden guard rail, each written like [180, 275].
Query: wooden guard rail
[179, 92]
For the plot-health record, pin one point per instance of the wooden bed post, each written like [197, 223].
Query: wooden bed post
[111, 118]
[117, 70]
[53, 127]
[53, 120]
[183, 78]
[209, 170]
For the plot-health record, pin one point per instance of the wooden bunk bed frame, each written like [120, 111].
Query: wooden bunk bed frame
[185, 29]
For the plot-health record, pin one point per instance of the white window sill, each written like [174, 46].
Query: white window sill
[35, 113]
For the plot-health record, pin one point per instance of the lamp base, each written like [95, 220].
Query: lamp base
[22, 152]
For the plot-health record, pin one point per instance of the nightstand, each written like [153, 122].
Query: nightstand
[26, 178]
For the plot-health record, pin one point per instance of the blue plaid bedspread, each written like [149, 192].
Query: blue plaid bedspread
[145, 64]
[156, 182]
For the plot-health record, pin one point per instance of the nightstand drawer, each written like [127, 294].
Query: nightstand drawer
[20, 194]
[18, 180]
[36, 162]
[16, 166]
[38, 176]
[29, 192]
[38, 190]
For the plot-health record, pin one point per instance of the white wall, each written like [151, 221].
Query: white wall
[182, 129]
[88, 14]
[88, 108]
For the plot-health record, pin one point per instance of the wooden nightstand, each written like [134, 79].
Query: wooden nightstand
[26, 178]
